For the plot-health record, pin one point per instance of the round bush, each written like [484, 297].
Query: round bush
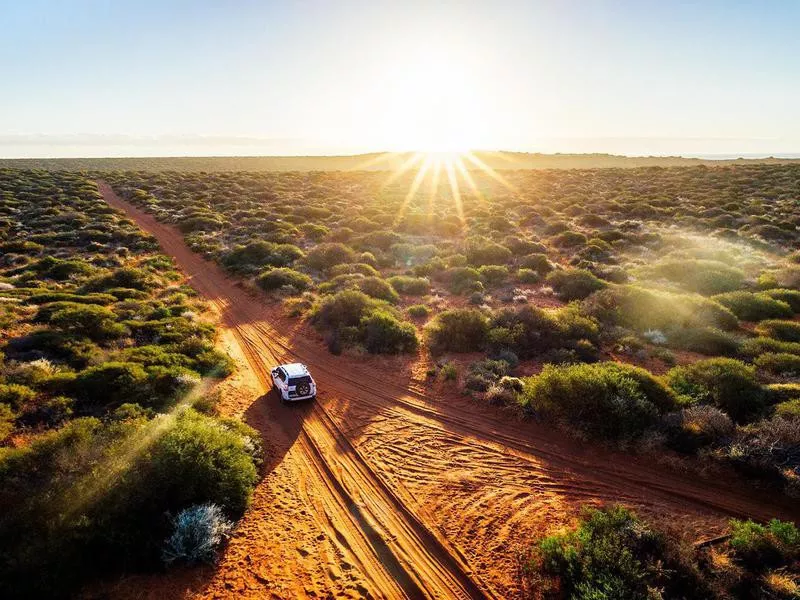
[324, 256]
[780, 364]
[281, 277]
[726, 383]
[750, 306]
[457, 330]
[382, 333]
[112, 383]
[606, 400]
[785, 331]
[376, 287]
[574, 284]
[410, 286]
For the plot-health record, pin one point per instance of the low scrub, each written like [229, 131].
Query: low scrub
[785, 331]
[530, 331]
[642, 309]
[612, 554]
[351, 317]
[574, 284]
[457, 330]
[726, 383]
[705, 277]
[779, 364]
[410, 286]
[82, 503]
[282, 278]
[605, 400]
[750, 306]
[705, 340]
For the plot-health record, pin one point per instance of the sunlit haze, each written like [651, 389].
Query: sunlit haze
[90, 78]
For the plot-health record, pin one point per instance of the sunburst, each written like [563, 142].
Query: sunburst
[458, 169]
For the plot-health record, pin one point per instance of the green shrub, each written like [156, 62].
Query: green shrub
[449, 371]
[126, 277]
[706, 277]
[258, 254]
[493, 275]
[790, 297]
[568, 239]
[345, 308]
[62, 531]
[213, 363]
[705, 340]
[750, 306]
[7, 417]
[782, 392]
[410, 286]
[786, 331]
[47, 297]
[574, 284]
[16, 395]
[642, 309]
[418, 311]
[463, 279]
[282, 277]
[529, 330]
[457, 330]
[613, 554]
[324, 256]
[780, 364]
[376, 287]
[485, 252]
[775, 544]
[789, 409]
[536, 262]
[112, 384]
[349, 268]
[605, 400]
[726, 383]
[384, 334]
[95, 322]
[528, 276]
[753, 347]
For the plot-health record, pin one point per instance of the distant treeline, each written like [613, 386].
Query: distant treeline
[369, 162]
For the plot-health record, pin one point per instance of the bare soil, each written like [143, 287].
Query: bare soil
[389, 487]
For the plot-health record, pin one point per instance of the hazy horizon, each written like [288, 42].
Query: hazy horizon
[121, 146]
[88, 78]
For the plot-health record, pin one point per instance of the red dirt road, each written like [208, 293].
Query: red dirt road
[381, 489]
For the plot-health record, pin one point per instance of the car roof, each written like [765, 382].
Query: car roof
[295, 369]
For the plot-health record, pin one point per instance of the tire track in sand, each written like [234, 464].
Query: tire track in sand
[395, 552]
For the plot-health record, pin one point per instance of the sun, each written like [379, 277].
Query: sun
[428, 99]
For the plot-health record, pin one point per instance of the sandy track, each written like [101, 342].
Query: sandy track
[381, 489]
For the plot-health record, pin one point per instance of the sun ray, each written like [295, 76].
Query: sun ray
[454, 189]
[402, 169]
[412, 191]
[370, 162]
[434, 191]
[488, 170]
[470, 181]
[93, 486]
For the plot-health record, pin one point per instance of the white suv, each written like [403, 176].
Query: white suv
[293, 382]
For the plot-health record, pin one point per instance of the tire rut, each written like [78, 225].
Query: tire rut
[389, 538]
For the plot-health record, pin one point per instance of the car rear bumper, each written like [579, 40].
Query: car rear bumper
[298, 398]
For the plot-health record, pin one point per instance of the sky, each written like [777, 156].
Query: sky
[236, 77]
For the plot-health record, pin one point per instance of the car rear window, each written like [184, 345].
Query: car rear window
[300, 380]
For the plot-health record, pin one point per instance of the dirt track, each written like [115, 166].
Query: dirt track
[381, 489]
